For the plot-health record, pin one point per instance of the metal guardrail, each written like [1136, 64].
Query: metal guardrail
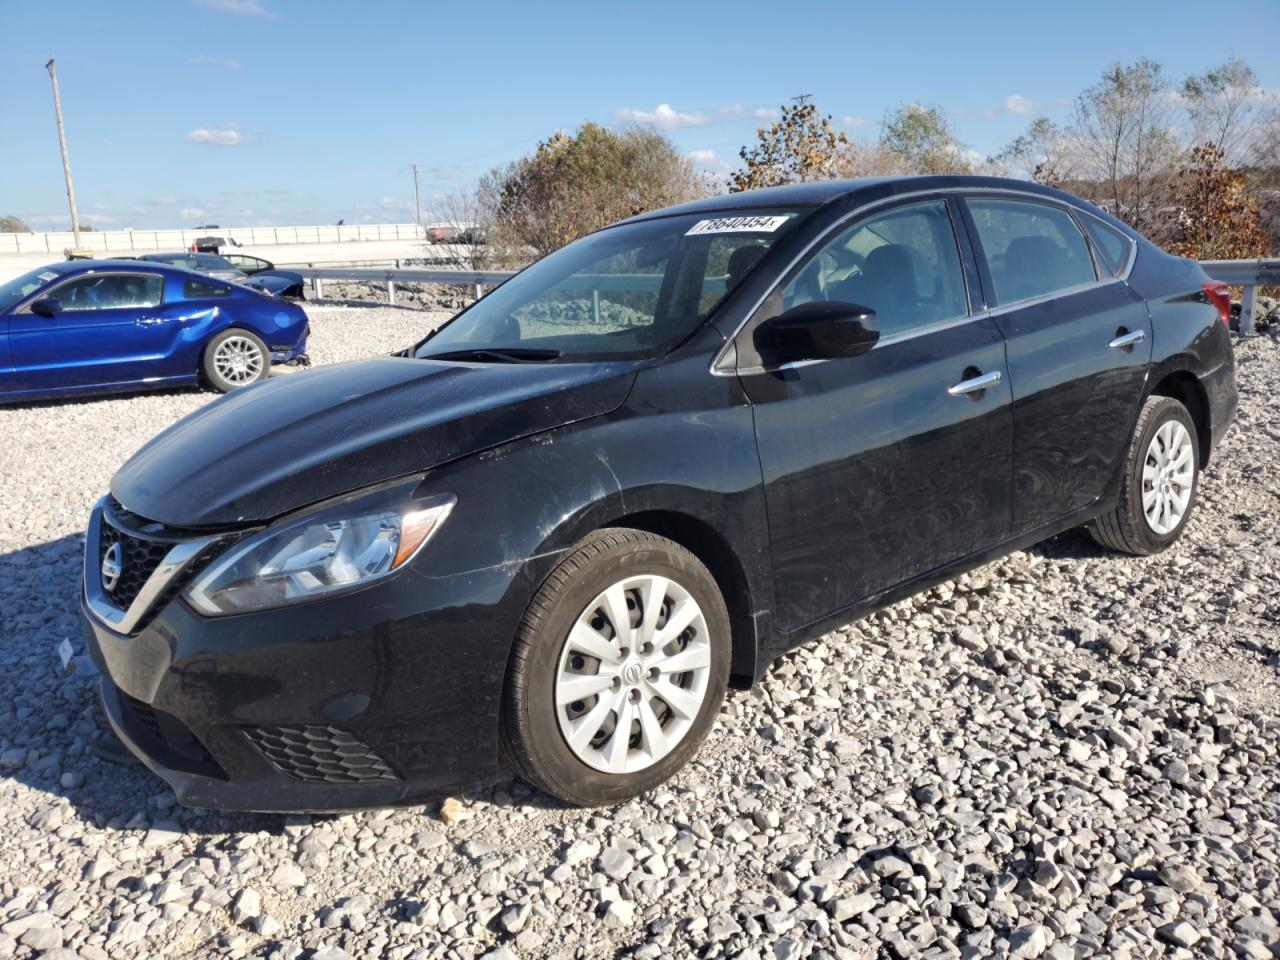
[479, 279]
[1249, 274]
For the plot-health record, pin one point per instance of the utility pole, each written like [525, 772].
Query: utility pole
[66, 161]
[800, 100]
[417, 210]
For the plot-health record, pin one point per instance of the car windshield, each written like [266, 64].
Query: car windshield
[20, 288]
[630, 290]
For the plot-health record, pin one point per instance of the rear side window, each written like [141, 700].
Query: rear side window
[903, 264]
[1111, 246]
[203, 290]
[1031, 249]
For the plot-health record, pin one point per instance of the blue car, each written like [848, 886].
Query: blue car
[109, 326]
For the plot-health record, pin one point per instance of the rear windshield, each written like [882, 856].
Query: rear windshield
[19, 288]
[629, 290]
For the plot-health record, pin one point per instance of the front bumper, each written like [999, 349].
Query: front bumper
[284, 354]
[384, 696]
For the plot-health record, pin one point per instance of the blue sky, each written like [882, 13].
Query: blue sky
[307, 111]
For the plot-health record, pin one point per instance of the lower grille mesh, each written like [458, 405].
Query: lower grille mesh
[320, 753]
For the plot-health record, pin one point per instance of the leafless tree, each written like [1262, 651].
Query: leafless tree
[1122, 129]
[1225, 106]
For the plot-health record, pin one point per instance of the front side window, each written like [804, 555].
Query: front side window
[1031, 249]
[629, 290]
[903, 264]
[113, 291]
[12, 291]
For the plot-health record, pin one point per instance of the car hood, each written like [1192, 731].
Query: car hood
[294, 440]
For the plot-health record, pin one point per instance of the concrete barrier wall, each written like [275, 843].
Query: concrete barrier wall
[122, 241]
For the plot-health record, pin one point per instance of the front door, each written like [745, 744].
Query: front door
[1078, 346]
[882, 467]
[109, 330]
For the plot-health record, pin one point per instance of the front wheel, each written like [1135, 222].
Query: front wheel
[619, 668]
[1158, 491]
[235, 358]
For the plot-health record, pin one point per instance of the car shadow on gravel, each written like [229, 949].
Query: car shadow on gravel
[1074, 544]
[89, 398]
[55, 739]
[53, 735]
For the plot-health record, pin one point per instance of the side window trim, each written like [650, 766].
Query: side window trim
[984, 261]
[1131, 246]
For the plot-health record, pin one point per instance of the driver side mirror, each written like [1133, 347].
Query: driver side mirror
[47, 307]
[819, 330]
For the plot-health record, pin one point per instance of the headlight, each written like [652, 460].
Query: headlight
[321, 553]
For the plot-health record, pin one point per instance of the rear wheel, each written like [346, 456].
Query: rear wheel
[618, 671]
[235, 358]
[1159, 487]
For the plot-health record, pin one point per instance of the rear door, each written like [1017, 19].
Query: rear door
[110, 330]
[1079, 344]
[882, 467]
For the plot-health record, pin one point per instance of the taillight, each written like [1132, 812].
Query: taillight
[1220, 296]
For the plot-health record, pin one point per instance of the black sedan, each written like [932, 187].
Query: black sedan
[554, 532]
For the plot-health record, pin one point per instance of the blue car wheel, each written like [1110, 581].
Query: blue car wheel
[235, 358]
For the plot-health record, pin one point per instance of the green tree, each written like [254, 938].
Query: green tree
[922, 138]
[801, 145]
[13, 224]
[571, 185]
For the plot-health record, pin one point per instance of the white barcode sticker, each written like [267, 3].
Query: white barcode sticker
[737, 225]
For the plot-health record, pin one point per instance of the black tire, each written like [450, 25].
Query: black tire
[532, 742]
[1126, 528]
[208, 364]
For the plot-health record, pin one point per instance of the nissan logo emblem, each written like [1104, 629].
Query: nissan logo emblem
[112, 564]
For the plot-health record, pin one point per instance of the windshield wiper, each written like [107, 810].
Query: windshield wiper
[498, 355]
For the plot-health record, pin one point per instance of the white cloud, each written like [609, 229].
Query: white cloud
[203, 61]
[245, 8]
[1018, 104]
[217, 136]
[663, 116]
[852, 122]
[765, 113]
[706, 161]
[191, 213]
[731, 110]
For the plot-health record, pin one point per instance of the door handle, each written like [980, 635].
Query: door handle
[149, 321]
[1126, 340]
[975, 384]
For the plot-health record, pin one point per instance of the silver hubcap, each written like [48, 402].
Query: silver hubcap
[1168, 472]
[238, 360]
[633, 674]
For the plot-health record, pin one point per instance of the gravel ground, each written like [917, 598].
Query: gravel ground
[1062, 754]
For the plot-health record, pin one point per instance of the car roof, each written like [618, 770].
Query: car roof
[820, 192]
[130, 265]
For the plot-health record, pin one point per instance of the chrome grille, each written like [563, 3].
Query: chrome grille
[138, 560]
